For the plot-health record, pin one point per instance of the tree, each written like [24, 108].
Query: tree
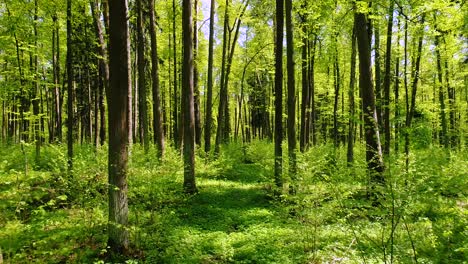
[209, 92]
[352, 112]
[69, 86]
[177, 128]
[305, 87]
[196, 89]
[188, 99]
[279, 93]
[157, 112]
[223, 96]
[142, 105]
[373, 148]
[387, 79]
[291, 95]
[120, 83]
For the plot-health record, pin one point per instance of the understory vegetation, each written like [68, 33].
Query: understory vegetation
[47, 216]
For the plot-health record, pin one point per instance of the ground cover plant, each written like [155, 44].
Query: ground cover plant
[50, 217]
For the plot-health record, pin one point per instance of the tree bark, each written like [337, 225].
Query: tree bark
[387, 80]
[397, 98]
[305, 88]
[209, 92]
[157, 114]
[336, 75]
[222, 91]
[142, 105]
[313, 111]
[352, 112]
[378, 75]
[291, 97]
[120, 85]
[175, 115]
[69, 87]
[196, 89]
[36, 98]
[188, 100]
[279, 93]
[444, 140]
[373, 149]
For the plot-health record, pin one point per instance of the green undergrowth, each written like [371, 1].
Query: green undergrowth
[48, 215]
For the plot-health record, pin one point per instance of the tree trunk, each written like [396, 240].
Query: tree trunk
[373, 149]
[196, 89]
[352, 80]
[378, 73]
[313, 111]
[175, 114]
[444, 140]
[209, 92]
[397, 98]
[69, 86]
[387, 79]
[222, 91]
[305, 88]
[188, 100]
[157, 114]
[120, 85]
[452, 133]
[336, 75]
[36, 98]
[279, 93]
[142, 105]
[291, 97]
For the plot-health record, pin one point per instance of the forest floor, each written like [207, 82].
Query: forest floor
[48, 216]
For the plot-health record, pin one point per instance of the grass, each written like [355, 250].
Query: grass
[49, 217]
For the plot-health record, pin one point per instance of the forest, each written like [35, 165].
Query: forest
[233, 131]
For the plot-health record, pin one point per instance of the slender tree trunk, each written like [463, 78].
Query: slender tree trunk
[373, 149]
[222, 91]
[407, 108]
[387, 80]
[397, 98]
[336, 75]
[157, 114]
[452, 132]
[142, 105]
[291, 97]
[175, 114]
[305, 89]
[279, 93]
[198, 129]
[69, 86]
[188, 100]
[352, 81]
[119, 125]
[313, 109]
[209, 92]
[36, 98]
[378, 75]
[444, 140]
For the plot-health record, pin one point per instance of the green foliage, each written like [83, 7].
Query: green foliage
[48, 217]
